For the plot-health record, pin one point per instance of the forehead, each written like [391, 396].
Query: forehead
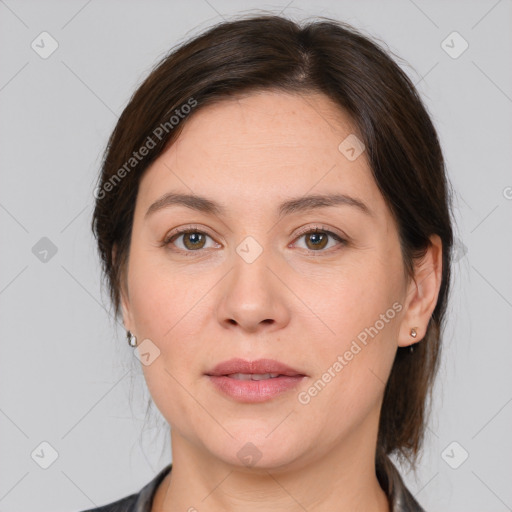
[261, 145]
[268, 120]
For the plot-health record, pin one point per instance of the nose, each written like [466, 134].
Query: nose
[254, 295]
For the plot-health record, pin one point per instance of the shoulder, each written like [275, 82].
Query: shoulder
[137, 502]
[400, 498]
[125, 504]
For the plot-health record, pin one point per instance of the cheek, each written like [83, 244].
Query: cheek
[363, 313]
[167, 310]
[353, 365]
[353, 297]
[163, 298]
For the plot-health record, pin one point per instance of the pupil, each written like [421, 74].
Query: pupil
[319, 238]
[194, 238]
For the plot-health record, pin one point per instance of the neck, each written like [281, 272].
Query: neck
[343, 479]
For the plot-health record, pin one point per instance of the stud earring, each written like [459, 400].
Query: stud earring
[132, 340]
[413, 332]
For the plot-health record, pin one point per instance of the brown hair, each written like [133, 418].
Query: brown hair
[270, 52]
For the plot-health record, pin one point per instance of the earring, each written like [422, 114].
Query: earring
[413, 334]
[132, 340]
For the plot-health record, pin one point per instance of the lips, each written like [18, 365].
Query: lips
[256, 370]
[254, 381]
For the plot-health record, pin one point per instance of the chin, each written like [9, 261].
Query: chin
[258, 450]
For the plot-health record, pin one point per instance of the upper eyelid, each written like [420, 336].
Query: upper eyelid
[320, 228]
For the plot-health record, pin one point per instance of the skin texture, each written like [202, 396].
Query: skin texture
[296, 303]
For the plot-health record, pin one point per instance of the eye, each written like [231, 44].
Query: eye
[193, 239]
[317, 238]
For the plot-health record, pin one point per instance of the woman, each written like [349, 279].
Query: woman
[274, 225]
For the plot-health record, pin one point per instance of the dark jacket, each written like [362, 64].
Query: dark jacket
[400, 498]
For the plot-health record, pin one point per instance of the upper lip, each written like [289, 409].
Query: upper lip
[259, 366]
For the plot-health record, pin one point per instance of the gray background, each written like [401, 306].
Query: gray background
[67, 375]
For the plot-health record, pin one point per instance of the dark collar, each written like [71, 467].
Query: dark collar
[400, 498]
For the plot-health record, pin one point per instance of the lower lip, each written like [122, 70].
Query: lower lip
[253, 391]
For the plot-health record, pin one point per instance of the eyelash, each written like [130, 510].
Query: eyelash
[191, 229]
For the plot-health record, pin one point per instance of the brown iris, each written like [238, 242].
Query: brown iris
[197, 240]
[319, 239]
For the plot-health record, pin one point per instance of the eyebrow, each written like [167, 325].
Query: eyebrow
[288, 207]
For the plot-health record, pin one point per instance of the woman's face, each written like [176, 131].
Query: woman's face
[246, 282]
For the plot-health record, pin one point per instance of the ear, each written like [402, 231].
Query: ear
[422, 293]
[124, 296]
